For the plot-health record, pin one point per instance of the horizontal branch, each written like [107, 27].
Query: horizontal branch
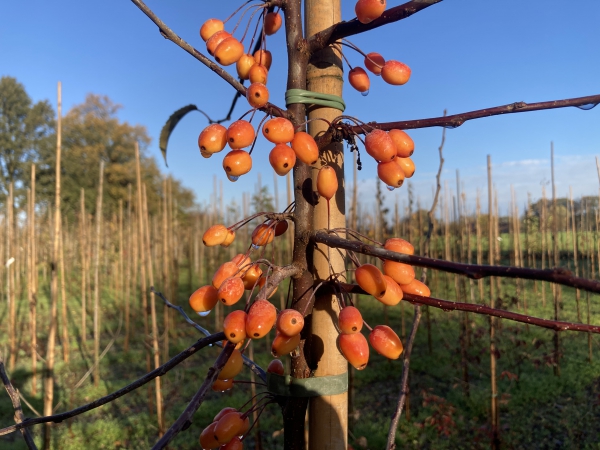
[169, 34]
[344, 29]
[159, 371]
[557, 275]
[486, 311]
[457, 120]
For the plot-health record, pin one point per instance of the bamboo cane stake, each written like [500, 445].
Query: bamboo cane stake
[84, 271]
[166, 260]
[97, 252]
[575, 250]
[33, 284]
[10, 278]
[49, 373]
[63, 298]
[328, 415]
[555, 288]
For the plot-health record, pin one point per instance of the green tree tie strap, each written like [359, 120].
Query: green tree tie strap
[314, 98]
[288, 386]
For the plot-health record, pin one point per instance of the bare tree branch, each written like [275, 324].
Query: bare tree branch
[557, 275]
[352, 27]
[169, 34]
[14, 398]
[184, 420]
[159, 371]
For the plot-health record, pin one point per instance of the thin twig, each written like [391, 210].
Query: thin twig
[14, 398]
[159, 371]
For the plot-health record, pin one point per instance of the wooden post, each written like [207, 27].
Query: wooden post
[49, 375]
[328, 415]
[555, 287]
[97, 277]
[63, 296]
[10, 279]
[494, 388]
[33, 284]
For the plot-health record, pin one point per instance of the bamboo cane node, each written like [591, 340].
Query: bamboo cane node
[288, 386]
[293, 96]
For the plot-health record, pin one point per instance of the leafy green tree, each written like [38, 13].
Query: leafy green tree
[26, 131]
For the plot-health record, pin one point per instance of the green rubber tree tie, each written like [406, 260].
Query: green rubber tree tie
[314, 98]
[288, 386]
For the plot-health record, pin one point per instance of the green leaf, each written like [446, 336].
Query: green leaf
[168, 128]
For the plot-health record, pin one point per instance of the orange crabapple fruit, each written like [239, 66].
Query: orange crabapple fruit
[350, 320]
[380, 146]
[228, 427]
[282, 159]
[416, 287]
[234, 326]
[229, 238]
[222, 385]
[355, 349]
[207, 437]
[214, 41]
[235, 443]
[231, 290]
[290, 322]
[204, 299]
[215, 235]
[359, 79]
[275, 366]
[257, 95]
[229, 51]
[272, 23]
[225, 271]
[407, 165]
[260, 319]
[263, 57]
[261, 283]
[224, 411]
[370, 279]
[232, 367]
[262, 235]
[405, 146]
[258, 74]
[278, 130]
[391, 173]
[395, 73]
[251, 276]
[401, 273]
[374, 62]
[283, 345]
[237, 163]
[210, 27]
[369, 10]
[393, 293]
[305, 147]
[399, 245]
[240, 134]
[327, 182]
[243, 65]
[386, 342]
[212, 139]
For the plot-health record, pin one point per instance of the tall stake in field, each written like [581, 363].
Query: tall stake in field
[97, 276]
[33, 284]
[49, 375]
[575, 250]
[543, 243]
[63, 297]
[555, 287]
[10, 279]
[494, 388]
[84, 267]
[155, 349]
[128, 274]
[166, 261]
[328, 415]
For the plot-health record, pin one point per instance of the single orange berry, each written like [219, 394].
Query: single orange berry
[226, 270]
[355, 349]
[229, 51]
[262, 235]
[213, 42]
[282, 159]
[222, 385]
[401, 273]
[212, 139]
[370, 279]
[393, 293]
[240, 134]
[204, 299]
[278, 130]
[359, 80]
[282, 344]
[407, 165]
[243, 65]
[380, 146]
[369, 10]
[273, 23]
[234, 444]
[234, 326]
[305, 147]
[229, 238]
[395, 72]
[416, 287]
[228, 427]
[215, 235]
[327, 183]
[290, 322]
[207, 437]
[275, 366]
[405, 146]
[399, 245]
[350, 320]
[261, 318]
[232, 367]
[210, 27]
[263, 57]
[390, 173]
[386, 342]
[258, 74]
[374, 62]
[237, 163]
[257, 95]
[231, 290]
[251, 276]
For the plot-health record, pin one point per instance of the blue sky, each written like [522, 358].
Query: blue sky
[464, 55]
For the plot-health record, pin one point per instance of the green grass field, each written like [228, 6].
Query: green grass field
[537, 408]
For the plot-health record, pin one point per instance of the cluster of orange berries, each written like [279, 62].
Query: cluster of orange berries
[289, 145]
[226, 430]
[387, 287]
